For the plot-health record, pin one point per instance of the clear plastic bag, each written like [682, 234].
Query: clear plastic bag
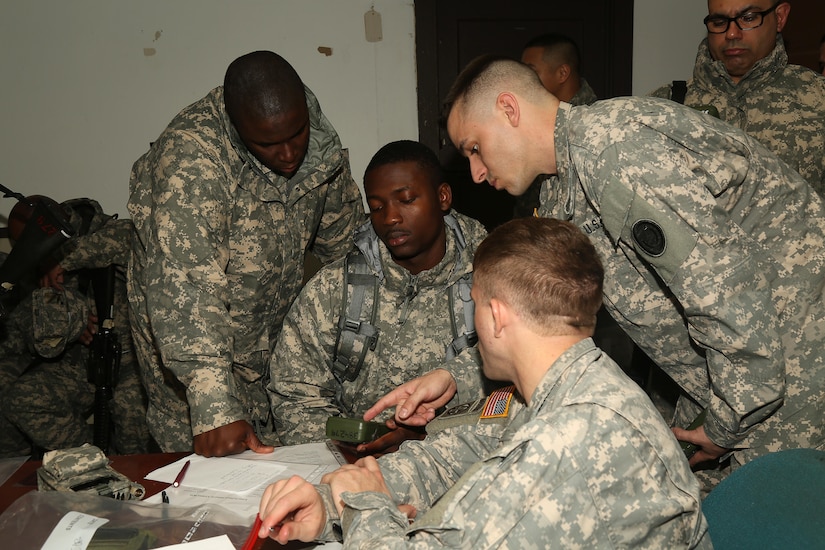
[29, 521]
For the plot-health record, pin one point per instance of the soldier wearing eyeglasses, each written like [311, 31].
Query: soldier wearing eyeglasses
[742, 69]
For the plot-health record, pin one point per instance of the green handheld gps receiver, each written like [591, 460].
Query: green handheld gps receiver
[354, 430]
[690, 448]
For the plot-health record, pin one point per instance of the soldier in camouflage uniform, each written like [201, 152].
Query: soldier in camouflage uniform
[227, 200]
[14, 358]
[555, 59]
[584, 462]
[745, 74]
[417, 251]
[52, 400]
[714, 249]
[16, 348]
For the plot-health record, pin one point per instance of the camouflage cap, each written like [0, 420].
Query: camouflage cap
[58, 318]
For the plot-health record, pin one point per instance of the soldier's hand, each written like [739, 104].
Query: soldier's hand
[708, 450]
[53, 278]
[363, 476]
[390, 442]
[408, 510]
[291, 509]
[416, 401]
[89, 332]
[231, 439]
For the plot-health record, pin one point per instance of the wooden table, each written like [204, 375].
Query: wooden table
[135, 467]
[132, 466]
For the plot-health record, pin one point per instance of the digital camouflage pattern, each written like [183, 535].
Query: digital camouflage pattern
[588, 464]
[414, 320]
[218, 259]
[526, 203]
[781, 105]
[15, 357]
[85, 469]
[585, 95]
[52, 400]
[57, 319]
[714, 256]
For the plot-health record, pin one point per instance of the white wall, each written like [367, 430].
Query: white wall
[87, 84]
[666, 36]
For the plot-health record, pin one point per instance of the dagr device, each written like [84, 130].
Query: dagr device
[354, 430]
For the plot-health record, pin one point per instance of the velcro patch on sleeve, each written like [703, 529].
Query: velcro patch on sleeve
[498, 403]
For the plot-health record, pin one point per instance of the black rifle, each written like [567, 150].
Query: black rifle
[104, 354]
[43, 233]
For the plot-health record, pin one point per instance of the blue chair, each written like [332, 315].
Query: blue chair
[774, 501]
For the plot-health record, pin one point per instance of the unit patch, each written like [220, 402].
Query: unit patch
[650, 237]
[464, 408]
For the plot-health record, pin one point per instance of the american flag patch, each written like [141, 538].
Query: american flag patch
[498, 403]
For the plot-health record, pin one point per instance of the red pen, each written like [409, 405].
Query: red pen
[182, 473]
[253, 535]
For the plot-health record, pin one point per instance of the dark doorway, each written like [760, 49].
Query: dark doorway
[802, 33]
[450, 33]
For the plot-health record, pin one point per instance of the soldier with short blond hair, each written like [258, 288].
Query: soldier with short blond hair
[714, 249]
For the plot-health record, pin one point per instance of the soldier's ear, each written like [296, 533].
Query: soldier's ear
[563, 72]
[502, 316]
[782, 12]
[507, 103]
[445, 196]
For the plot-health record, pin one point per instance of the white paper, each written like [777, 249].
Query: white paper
[309, 461]
[221, 542]
[73, 532]
[244, 504]
[228, 474]
[306, 453]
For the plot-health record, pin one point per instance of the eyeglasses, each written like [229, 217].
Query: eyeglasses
[719, 24]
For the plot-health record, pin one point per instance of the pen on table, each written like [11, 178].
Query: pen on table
[253, 535]
[179, 479]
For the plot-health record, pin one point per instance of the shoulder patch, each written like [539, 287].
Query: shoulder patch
[490, 410]
[464, 408]
[650, 237]
[498, 403]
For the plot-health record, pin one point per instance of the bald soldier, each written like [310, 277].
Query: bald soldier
[714, 249]
[225, 203]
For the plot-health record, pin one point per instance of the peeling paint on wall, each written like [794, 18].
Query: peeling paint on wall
[149, 52]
